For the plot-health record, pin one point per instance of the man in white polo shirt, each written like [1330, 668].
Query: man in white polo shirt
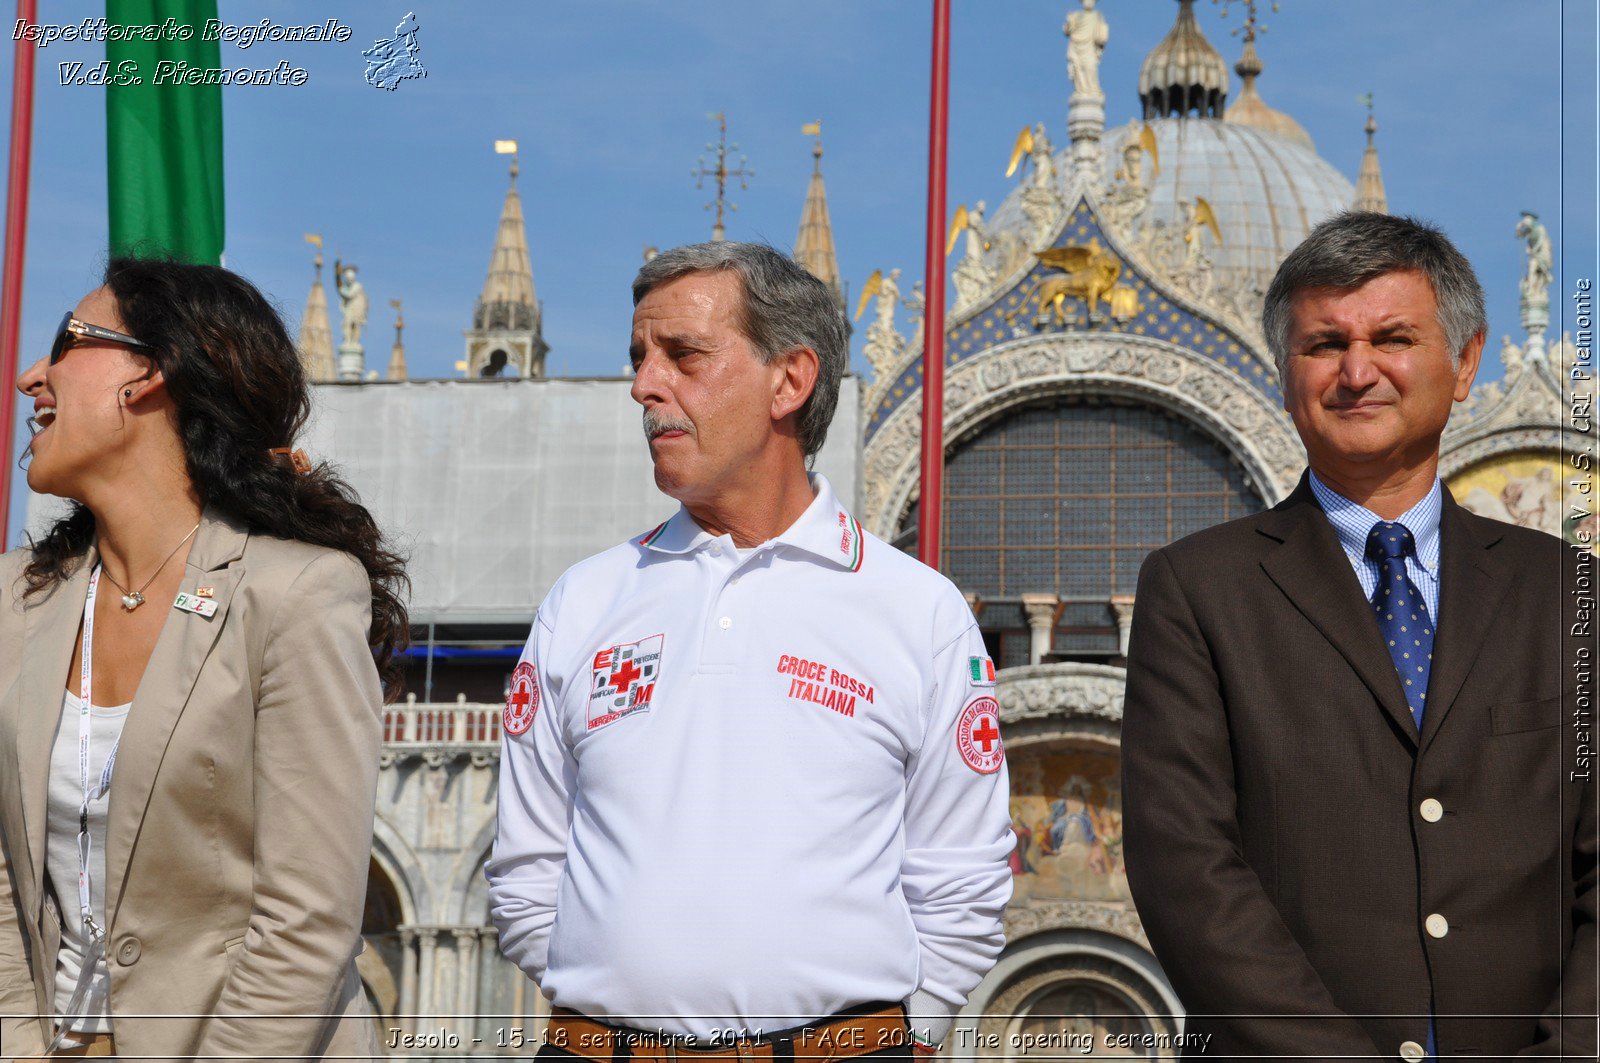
[752, 793]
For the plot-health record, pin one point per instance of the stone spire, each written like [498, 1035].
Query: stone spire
[1369, 183]
[1183, 73]
[397, 353]
[316, 334]
[506, 337]
[1250, 109]
[813, 247]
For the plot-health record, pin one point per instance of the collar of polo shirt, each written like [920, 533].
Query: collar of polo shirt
[826, 530]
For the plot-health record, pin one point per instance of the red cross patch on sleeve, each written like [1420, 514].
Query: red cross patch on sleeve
[522, 700]
[978, 735]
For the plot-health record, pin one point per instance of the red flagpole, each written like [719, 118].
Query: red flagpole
[931, 508]
[16, 238]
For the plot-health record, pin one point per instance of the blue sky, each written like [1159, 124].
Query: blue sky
[1485, 109]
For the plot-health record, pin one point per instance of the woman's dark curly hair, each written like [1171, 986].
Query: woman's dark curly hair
[240, 390]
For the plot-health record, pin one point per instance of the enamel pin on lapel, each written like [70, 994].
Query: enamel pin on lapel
[193, 603]
[205, 592]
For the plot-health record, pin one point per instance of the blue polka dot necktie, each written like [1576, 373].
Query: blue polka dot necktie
[1402, 612]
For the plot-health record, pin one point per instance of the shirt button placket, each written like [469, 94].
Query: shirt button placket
[720, 620]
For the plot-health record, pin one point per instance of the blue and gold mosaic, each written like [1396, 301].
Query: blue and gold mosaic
[1007, 318]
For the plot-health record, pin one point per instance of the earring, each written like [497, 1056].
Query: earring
[128, 394]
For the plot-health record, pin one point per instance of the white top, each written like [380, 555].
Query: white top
[61, 853]
[752, 793]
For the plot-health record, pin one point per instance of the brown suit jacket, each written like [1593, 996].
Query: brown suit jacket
[240, 818]
[1273, 778]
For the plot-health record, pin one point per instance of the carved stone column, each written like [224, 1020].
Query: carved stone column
[427, 976]
[1042, 610]
[488, 999]
[408, 978]
[1086, 121]
[521, 989]
[1122, 605]
[466, 977]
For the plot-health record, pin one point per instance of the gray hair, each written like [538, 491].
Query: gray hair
[785, 308]
[1352, 248]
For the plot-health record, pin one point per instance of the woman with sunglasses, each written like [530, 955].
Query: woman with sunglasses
[190, 694]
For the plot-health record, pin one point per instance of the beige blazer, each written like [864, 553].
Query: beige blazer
[240, 817]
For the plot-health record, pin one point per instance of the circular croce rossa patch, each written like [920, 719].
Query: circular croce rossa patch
[522, 701]
[978, 735]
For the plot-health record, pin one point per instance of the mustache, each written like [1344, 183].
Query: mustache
[655, 424]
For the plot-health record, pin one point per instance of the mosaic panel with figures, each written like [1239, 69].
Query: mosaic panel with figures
[1066, 810]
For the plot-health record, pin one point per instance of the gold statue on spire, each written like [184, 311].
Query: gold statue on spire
[508, 147]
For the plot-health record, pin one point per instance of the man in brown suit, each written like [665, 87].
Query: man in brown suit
[1348, 834]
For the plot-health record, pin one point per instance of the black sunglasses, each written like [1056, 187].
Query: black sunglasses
[72, 332]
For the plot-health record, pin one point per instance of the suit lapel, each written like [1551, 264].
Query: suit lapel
[186, 640]
[50, 633]
[1313, 571]
[1470, 577]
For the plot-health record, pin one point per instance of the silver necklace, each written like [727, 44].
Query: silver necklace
[131, 600]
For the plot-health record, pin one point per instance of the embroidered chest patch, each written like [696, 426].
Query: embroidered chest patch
[624, 680]
[522, 700]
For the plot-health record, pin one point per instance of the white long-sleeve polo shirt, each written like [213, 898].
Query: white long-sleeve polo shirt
[748, 789]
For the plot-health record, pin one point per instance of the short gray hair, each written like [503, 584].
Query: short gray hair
[785, 308]
[1352, 248]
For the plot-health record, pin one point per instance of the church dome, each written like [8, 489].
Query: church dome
[1267, 189]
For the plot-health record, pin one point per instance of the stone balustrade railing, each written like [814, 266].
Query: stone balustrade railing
[441, 728]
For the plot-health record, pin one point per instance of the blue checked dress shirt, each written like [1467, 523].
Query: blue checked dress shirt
[1352, 523]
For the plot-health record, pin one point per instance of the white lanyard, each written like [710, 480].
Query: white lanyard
[85, 723]
[94, 946]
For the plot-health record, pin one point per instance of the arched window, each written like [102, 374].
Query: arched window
[1067, 498]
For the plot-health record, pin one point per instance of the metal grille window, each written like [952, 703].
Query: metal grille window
[1069, 498]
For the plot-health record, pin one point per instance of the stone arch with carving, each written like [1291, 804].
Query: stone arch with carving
[1051, 944]
[1243, 420]
[1067, 704]
[405, 871]
[469, 890]
[1527, 418]
[1463, 455]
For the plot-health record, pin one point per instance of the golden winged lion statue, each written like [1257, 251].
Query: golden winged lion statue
[1086, 273]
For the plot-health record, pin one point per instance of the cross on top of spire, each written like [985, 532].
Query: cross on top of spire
[721, 173]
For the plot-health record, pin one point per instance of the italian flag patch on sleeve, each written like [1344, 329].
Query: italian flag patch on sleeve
[980, 670]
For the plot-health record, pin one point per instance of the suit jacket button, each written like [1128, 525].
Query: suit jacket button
[1437, 925]
[128, 951]
[1411, 1052]
[1431, 810]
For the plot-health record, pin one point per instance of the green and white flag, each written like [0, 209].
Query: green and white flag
[164, 142]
